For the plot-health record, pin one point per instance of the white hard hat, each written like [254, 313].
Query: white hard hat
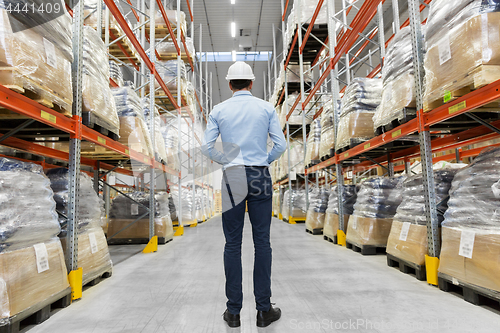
[240, 71]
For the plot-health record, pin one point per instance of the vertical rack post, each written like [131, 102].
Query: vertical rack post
[206, 83]
[275, 57]
[347, 61]
[191, 150]
[179, 82]
[152, 178]
[75, 277]
[432, 260]
[381, 32]
[395, 14]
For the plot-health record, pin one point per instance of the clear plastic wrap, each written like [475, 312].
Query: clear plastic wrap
[318, 202]
[462, 47]
[296, 152]
[167, 49]
[168, 72]
[356, 125]
[307, 9]
[313, 142]
[276, 202]
[90, 205]
[28, 215]
[133, 130]
[296, 116]
[172, 19]
[124, 211]
[412, 246]
[349, 196]
[331, 225]
[293, 73]
[171, 138]
[188, 214]
[158, 137]
[298, 202]
[327, 132]
[22, 286]
[96, 94]
[116, 74]
[36, 62]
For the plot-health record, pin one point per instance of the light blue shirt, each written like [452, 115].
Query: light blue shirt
[244, 123]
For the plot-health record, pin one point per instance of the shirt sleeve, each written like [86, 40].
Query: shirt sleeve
[208, 144]
[276, 135]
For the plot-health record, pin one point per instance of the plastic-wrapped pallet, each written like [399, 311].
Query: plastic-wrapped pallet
[168, 72]
[376, 204]
[307, 9]
[172, 19]
[187, 214]
[296, 152]
[313, 142]
[158, 137]
[115, 73]
[296, 116]
[93, 253]
[167, 49]
[471, 226]
[133, 130]
[398, 98]
[124, 212]
[359, 103]
[33, 268]
[276, 202]
[462, 48]
[298, 210]
[332, 218]
[96, 94]
[171, 138]
[327, 140]
[293, 73]
[37, 58]
[318, 202]
[408, 237]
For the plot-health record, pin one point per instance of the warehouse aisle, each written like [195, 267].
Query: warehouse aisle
[319, 286]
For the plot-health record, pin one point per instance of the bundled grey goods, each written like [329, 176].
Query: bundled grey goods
[115, 73]
[298, 202]
[318, 202]
[129, 84]
[186, 210]
[412, 207]
[28, 215]
[89, 204]
[168, 71]
[158, 137]
[313, 142]
[379, 197]
[171, 138]
[360, 101]
[349, 195]
[123, 207]
[398, 81]
[133, 130]
[97, 96]
[171, 207]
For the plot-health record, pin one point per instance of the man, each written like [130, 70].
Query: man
[245, 123]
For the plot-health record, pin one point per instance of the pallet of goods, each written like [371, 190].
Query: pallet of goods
[462, 50]
[471, 231]
[315, 218]
[93, 253]
[297, 211]
[331, 226]
[327, 142]
[129, 220]
[35, 59]
[160, 151]
[370, 224]
[33, 274]
[407, 244]
[313, 143]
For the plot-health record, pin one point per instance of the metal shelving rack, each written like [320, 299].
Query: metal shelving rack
[377, 152]
[145, 72]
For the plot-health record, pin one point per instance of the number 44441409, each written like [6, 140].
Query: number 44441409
[49, 8]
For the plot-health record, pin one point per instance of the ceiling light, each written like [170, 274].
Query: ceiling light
[233, 54]
[233, 29]
[233, 2]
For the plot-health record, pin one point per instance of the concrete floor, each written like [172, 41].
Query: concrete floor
[319, 286]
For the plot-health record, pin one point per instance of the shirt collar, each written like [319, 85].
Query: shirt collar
[242, 92]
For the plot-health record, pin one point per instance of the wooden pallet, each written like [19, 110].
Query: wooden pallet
[407, 267]
[135, 241]
[471, 293]
[115, 50]
[331, 240]
[480, 77]
[315, 231]
[36, 314]
[366, 249]
[353, 142]
[92, 120]
[161, 31]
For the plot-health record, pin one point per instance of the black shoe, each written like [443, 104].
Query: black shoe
[266, 318]
[231, 319]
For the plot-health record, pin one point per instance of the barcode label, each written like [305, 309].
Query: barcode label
[42, 257]
[134, 209]
[355, 223]
[50, 53]
[293, 175]
[93, 243]
[467, 243]
[444, 50]
[405, 229]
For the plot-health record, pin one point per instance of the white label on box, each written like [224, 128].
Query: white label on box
[293, 175]
[50, 53]
[405, 229]
[444, 50]
[42, 257]
[134, 209]
[93, 243]
[111, 180]
[355, 223]
[455, 281]
[467, 243]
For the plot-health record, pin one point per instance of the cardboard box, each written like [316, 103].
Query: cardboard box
[21, 286]
[315, 220]
[483, 269]
[332, 224]
[355, 125]
[140, 229]
[368, 231]
[414, 248]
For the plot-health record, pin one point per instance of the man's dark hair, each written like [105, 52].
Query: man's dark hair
[240, 84]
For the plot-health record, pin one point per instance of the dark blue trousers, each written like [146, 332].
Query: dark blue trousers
[252, 186]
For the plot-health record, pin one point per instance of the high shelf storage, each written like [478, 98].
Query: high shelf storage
[50, 135]
[444, 128]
